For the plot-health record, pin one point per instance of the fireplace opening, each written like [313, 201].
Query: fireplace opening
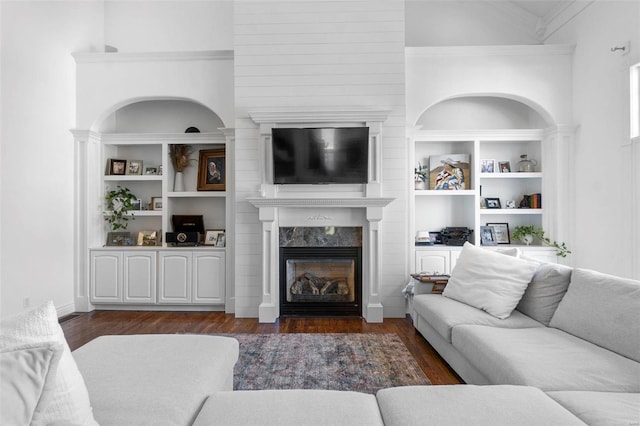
[320, 281]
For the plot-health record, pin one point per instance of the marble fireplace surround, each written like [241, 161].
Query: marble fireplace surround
[320, 205]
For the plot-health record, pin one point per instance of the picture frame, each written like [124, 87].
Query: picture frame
[116, 167]
[134, 167]
[504, 167]
[222, 240]
[450, 172]
[487, 236]
[151, 170]
[501, 232]
[211, 237]
[487, 166]
[510, 204]
[156, 203]
[148, 238]
[137, 204]
[493, 203]
[435, 237]
[211, 170]
[119, 238]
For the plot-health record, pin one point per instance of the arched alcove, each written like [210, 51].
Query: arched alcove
[159, 116]
[481, 112]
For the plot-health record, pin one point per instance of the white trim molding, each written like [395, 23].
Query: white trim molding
[104, 57]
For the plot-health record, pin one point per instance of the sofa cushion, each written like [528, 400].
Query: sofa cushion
[601, 408]
[471, 405]
[545, 291]
[290, 407]
[443, 314]
[155, 379]
[546, 358]
[488, 280]
[28, 380]
[602, 309]
[69, 402]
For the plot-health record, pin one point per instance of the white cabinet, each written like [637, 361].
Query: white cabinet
[436, 260]
[158, 277]
[123, 276]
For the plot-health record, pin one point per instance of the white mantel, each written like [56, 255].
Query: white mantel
[321, 205]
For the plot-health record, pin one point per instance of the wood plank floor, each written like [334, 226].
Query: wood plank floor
[82, 328]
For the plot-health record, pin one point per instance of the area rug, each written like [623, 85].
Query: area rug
[337, 361]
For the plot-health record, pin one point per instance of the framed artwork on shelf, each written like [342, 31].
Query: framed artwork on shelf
[148, 238]
[156, 203]
[487, 236]
[137, 204]
[449, 172]
[134, 167]
[116, 167]
[120, 238]
[501, 232]
[487, 166]
[504, 167]
[211, 170]
[492, 203]
[214, 237]
[435, 237]
[151, 170]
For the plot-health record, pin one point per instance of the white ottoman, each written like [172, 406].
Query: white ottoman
[460, 405]
[290, 407]
[155, 379]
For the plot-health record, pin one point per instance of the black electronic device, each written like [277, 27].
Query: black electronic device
[455, 236]
[320, 155]
[183, 238]
[187, 223]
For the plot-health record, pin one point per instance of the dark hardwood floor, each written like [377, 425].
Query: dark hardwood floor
[80, 329]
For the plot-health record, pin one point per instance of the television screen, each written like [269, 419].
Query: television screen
[320, 155]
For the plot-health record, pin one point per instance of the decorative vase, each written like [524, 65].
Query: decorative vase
[178, 183]
[420, 184]
[527, 239]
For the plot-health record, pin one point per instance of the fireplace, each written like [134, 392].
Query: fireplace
[320, 270]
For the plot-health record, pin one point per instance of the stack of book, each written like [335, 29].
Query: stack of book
[439, 281]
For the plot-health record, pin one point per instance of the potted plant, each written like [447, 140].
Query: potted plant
[526, 234]
[119, 203]
[179, 154]
[420, 177]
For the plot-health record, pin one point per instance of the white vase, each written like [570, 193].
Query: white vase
[178, 183]
[527, 239]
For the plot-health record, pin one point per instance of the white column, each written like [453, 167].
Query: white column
[372, 301]
[269, 309]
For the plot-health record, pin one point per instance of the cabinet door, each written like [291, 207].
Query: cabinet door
[174, 281]
[106, 277]
[433, 261]
[209, 278]
[139, 277]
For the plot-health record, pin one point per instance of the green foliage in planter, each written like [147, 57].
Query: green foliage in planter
[520, 231]
[119, 203]
[420, 173]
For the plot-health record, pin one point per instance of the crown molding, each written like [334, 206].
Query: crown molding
[111, 57]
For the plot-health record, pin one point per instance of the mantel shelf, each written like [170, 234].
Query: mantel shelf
[362, 202]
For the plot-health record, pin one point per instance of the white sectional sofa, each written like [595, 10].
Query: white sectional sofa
[574, 334]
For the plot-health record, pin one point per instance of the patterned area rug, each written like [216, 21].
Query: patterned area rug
[355, 362]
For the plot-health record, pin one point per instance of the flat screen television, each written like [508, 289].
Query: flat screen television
[320, 155]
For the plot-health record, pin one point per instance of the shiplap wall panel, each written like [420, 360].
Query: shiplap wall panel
[305, 54]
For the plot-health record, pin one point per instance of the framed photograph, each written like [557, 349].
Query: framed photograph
[492, 203]
[222, 239]
[435, 237]
[137, 204]
[510, 204]
[449, 172]
[119, 238]
[487, 236]
[134, 167]
[156, 203]
[148, 238]
[504, 167]
[501, 231]
[160, 169]
[151, 170]
[211, 237]
[211, 170]
[487, 166]
[117, 167]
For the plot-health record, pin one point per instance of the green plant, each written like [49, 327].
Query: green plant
[520, 231]
[119, 203]
[419, 173]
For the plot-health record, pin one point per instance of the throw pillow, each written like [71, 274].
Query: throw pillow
[69, 399]
[488, 280]
[546, 290]
[28, 377]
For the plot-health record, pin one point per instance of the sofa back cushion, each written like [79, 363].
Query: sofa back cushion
[602, 309]
[488, 280]
[545, 291]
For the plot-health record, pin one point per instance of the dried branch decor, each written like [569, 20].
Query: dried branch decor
[180, 156]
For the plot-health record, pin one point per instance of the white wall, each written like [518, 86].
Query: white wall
[292, 55]
[38, 98]
[602, 161]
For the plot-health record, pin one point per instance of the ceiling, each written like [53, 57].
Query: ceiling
[540, 8]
